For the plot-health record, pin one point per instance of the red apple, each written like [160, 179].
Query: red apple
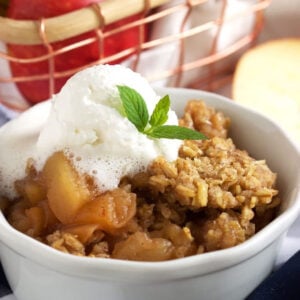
[38, 90]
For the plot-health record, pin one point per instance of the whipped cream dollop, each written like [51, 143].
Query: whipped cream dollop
[85, 121]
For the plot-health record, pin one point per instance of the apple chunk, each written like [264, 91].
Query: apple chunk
[111, 210]
[67, 192]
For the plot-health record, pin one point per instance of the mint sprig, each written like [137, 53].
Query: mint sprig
[135, 107]
[160, 113]
[175, 132]
[137, 113]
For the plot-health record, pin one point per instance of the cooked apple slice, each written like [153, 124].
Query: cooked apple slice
[139, 246]
[67, 191]
[111, 210]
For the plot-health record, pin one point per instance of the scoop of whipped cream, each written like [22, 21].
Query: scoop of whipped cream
[86, 122]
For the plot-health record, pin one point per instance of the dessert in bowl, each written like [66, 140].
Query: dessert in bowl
[145, 215]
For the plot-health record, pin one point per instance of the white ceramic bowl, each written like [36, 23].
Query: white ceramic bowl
[36, 271]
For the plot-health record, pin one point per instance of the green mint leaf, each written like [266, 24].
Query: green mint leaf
[160, 113]
[134, 106]
[136, 111]
[175, 132]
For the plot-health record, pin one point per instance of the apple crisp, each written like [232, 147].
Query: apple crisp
[213, 196]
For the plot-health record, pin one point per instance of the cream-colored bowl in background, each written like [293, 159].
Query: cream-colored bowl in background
[36, 271]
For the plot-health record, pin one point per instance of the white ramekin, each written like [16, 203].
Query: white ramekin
[36, 271]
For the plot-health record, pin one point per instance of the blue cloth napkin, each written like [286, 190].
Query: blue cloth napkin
[6, 114]
[283, 284]
[4, 286]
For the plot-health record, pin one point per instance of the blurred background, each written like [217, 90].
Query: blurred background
[202, 44]
[173, 43]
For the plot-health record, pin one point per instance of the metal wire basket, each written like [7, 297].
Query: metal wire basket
[174, 27]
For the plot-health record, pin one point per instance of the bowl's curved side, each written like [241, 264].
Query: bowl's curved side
[32, 281]
[235, 272]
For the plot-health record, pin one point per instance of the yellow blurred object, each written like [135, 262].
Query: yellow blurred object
[267, 79]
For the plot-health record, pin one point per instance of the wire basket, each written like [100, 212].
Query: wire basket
[189, 43]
